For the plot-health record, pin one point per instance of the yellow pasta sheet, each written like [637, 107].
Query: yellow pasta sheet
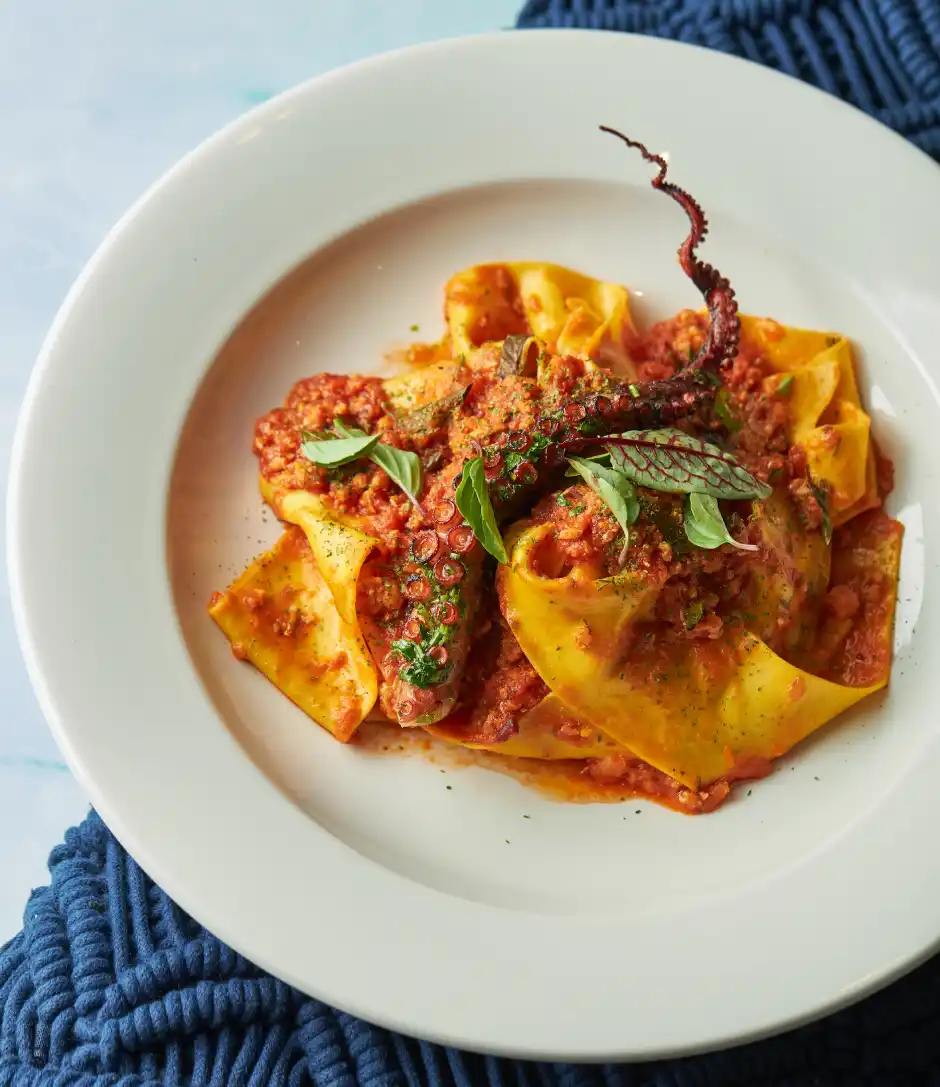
[548, 731]
[698, 711]
[571, 314]
[283, 616]
[824, 408]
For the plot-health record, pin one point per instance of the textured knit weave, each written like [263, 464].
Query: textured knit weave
[110, 983]
[881, 55]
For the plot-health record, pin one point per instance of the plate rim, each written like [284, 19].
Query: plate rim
[17, 545]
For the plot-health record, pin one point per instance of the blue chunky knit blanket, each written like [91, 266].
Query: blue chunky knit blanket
[881, 55]
[110, 983]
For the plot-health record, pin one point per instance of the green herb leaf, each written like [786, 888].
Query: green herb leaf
[516, 358]
[421, 669]
[473, 501]
[431, 417]
[692, 615]
[724, 412]
[601, 458]
[783, 389]
[331, 453]
[616, 492]
[705, 527]
[402, 467]
[821, 494]
[668, 460]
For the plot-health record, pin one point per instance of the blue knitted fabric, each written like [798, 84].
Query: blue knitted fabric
[110, 983]
[881, 55]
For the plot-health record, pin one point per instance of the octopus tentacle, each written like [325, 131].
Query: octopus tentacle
[724, 328]
[445, 574]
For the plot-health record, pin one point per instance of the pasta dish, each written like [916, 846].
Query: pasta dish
[649, 561]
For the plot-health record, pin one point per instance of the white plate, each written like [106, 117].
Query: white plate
[584, 932]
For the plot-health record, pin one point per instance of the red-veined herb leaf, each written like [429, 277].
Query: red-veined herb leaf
[668, 460]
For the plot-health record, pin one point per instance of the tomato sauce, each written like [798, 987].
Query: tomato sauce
[702, 591]
[611, 780]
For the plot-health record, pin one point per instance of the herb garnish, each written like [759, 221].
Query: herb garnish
[668, 460]
[433, 416]
[515, 356]
[332, 452]
[692, 615]
[783, 389]
[705, 527]
[821, 494]
[724, 412]
[616, 492]
[473, 501]
[421, 669]
[401, 466]
[600, 458]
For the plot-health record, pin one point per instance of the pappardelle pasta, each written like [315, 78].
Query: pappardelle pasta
[647, 562]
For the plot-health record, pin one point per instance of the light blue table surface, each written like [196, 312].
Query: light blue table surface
[96, 101]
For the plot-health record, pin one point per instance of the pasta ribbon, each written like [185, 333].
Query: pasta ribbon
[695, 710]
[826, 416]
[283, 616]
[548, 731]
[571, 314]
[339, 548]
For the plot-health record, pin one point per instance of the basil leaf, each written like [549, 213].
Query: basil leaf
[402, 467]
[705, 527]
[333, 452]
[514, 359]
[600, 458]
[668, 460]
[473, 501]
[614, 490]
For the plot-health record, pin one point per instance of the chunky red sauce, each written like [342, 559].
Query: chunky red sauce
[702, 591]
